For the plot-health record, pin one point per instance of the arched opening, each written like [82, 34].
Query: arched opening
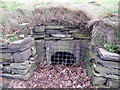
[66, 58]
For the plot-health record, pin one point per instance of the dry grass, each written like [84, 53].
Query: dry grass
[44, 16]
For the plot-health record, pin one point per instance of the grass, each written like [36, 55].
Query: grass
[109, 6]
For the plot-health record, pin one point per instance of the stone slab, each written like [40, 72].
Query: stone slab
[22, 48]
[22, 56]
[75, 31]
[104, 70]
[6, 60]
[98, 81]
[105, 55]
[1, 66]
[21, 72]
[108, 64]
[80, 36]
[39, 29]
[6, 56]
[33, 58]
[54, 27]
[40, 36]
[53, 32]
[20, 66]
[7, 69]
[33, 51]
[61, 35]
[113, 83]
[106, 76]
[17, 76]
[19, 43]
[3, 46]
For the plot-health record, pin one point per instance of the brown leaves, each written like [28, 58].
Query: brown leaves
[57, 76]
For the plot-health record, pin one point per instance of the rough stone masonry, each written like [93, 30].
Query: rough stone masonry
[18, 59]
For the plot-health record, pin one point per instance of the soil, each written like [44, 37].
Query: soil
[48, 76]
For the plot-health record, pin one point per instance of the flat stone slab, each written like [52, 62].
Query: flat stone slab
[109, 64]
[98, 81]
[22, 48]
[113, 83]
[1, 66]
[17, 76]
[19, 66]
[61, 35]
[39, 29]
[3, 46]
[6, 56]
[104, 70]
[7, 69]
[21, 72]
[6, 60]
[19, 43]
[105, 55]
[106, 76]
[54, 27]
[22, 56]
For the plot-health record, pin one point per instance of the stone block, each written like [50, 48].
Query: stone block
[98, 81]
[6, 56]
[61, 35]
[7, 69]
[75, 31]
[39, 36]
[22, 56]
[1, 71]
[104, 70]
[80, 36]
[39, 29]
[39, 44]
[33, 58]
[108, 64]
[105, 55]
[6, 60]
[17, 76]
[20, 66]
[113, 83]
[21, 72]
[3, 46]
[54, 27]
[105, 75]
[1, 66]
[19, 43]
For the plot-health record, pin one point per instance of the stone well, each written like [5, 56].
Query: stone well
[58, 39]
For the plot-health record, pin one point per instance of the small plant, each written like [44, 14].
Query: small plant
[12, 37]
[110, 47]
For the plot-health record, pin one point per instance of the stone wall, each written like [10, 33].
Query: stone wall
[53, 38]
[18, 59]
[104, 68]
